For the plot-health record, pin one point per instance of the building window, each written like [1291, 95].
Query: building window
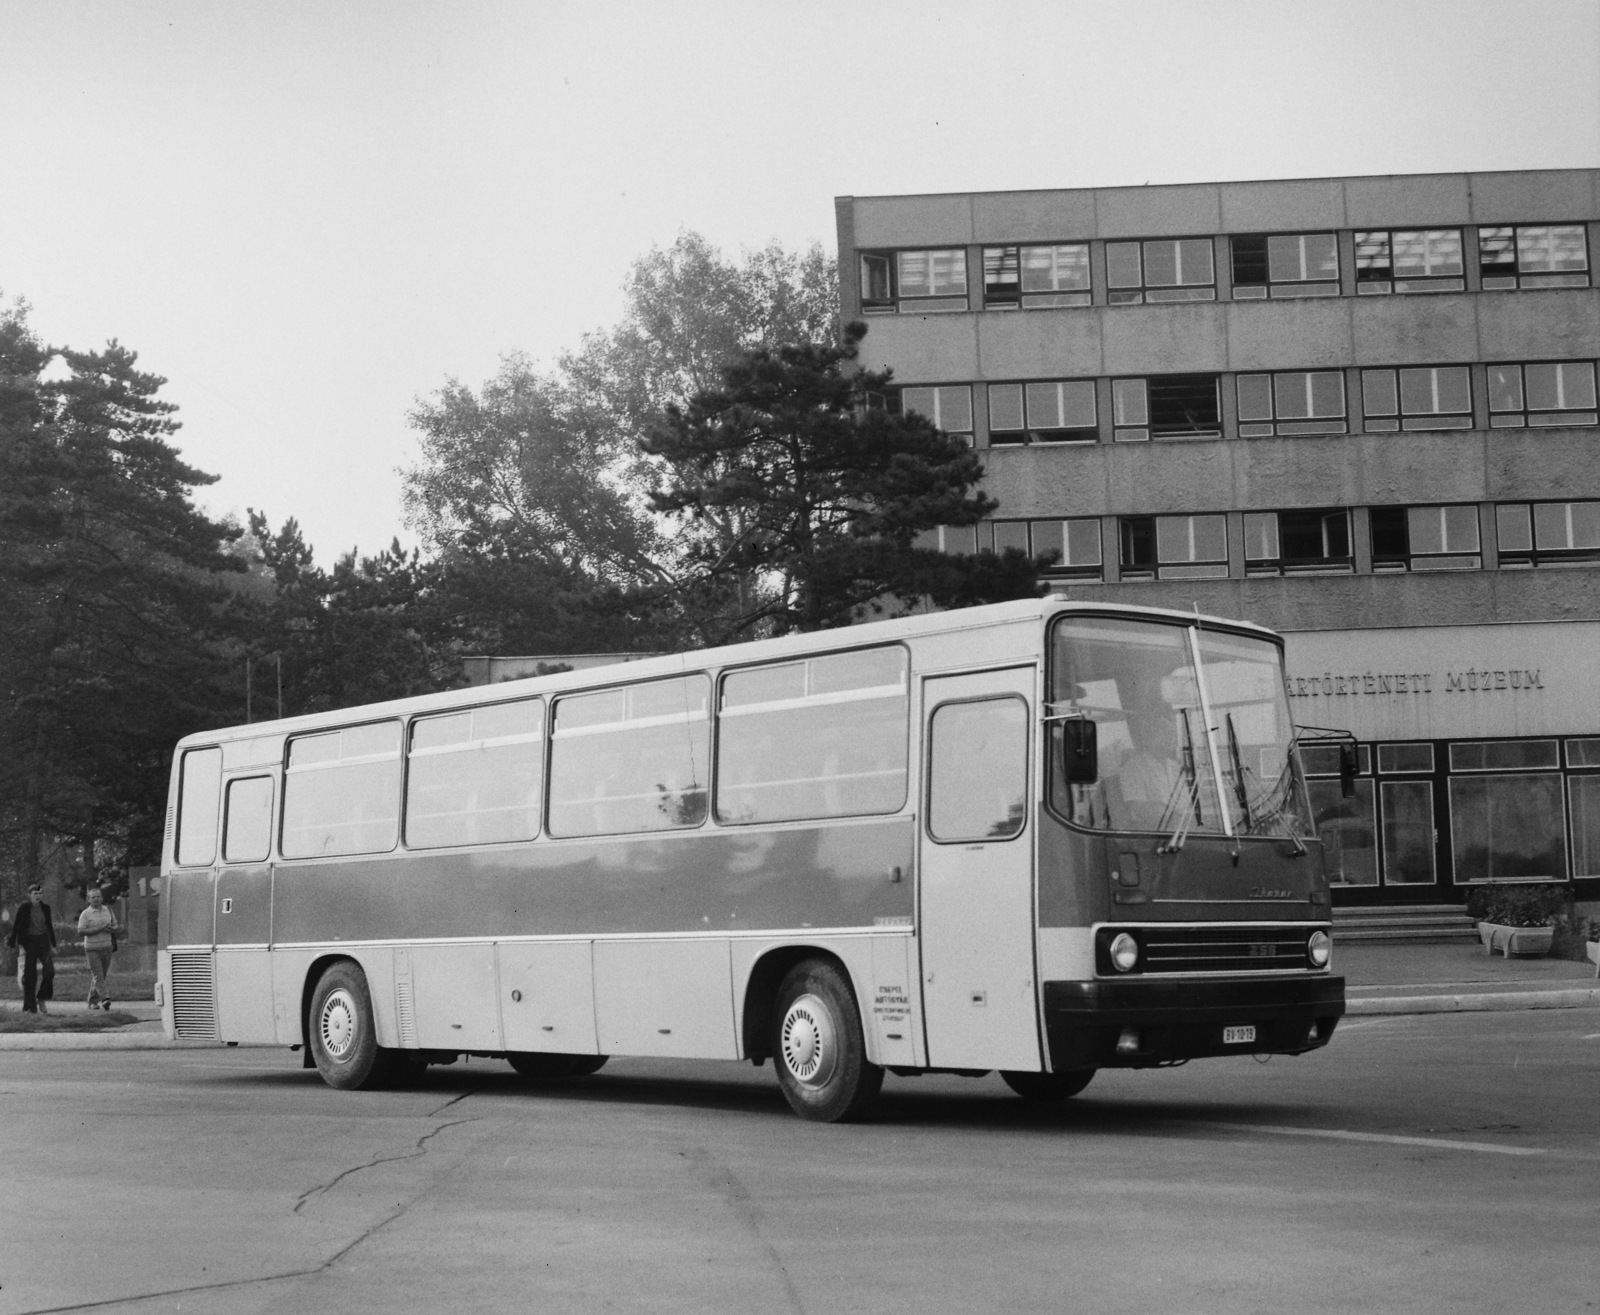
[1049, 411]
[1074, 544]
[1425, 538]
[1507, 827]
[1429, 397]
[914, 282]
[1549, 393]
[1174, 547]
[957, 540]
[1534, 256]
[1167, 269]
[1298, 542]
[1298, 402]
[1405, 758]
[949, 406]
[1285, 265]
[1547, 533]
[1409, 260]
[1036, 277]
[1167, 406]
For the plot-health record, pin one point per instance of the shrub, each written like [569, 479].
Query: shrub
[1519, 905]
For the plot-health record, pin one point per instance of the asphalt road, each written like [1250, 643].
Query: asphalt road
[1436, 1163]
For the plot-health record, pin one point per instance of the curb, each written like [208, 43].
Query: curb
[1583, 997]
[99, 1041]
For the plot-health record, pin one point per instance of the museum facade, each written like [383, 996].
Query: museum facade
[1359, 410]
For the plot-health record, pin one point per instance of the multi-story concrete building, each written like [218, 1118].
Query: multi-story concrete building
[1359, 410]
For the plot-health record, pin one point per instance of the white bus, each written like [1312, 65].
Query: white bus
[1041, 837]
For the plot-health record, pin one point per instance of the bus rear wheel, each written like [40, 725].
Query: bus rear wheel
[344, 1039]
[1048, 1087]
[821, 1055]
[542, 1067]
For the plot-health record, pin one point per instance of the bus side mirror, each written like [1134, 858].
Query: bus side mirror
[1080, 751]
[1347, 769]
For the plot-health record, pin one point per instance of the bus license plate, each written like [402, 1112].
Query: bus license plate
[1237, 1036]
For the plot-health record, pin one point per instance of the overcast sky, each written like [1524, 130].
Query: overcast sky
[306, 216]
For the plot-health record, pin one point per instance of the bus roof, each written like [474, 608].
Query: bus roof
[670, 664]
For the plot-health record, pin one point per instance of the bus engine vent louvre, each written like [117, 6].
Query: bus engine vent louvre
[194, 996]
[1225, 949]
[405, 1015]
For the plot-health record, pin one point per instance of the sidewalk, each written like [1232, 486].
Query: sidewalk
[1457, 978]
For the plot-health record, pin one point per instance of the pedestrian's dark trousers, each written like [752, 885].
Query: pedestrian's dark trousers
[37, 959]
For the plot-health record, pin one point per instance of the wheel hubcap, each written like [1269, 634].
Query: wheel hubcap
[338, 1023]
[810, 1048]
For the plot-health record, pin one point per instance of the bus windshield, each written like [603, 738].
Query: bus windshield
[1163, 766]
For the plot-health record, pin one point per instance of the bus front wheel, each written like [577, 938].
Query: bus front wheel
[344, 1040]
[816, 1036]
[1045, 1087]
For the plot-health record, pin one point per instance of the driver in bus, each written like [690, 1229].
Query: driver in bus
[1148, 782]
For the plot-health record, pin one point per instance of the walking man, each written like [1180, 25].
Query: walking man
[98, 926]
[33, 934]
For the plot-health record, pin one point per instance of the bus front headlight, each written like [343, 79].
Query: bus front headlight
[1124, 952]
[1319, 949]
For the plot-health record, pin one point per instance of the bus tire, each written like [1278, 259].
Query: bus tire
[344, 1038]
[540, 1066]
[821, 1056]
[1047, 1088]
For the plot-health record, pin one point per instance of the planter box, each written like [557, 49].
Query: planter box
[1516, 942]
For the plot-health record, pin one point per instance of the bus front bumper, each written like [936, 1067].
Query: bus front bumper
[1146, 1021]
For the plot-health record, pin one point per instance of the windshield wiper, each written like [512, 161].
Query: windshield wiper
[1240, 789]
[1191, 778]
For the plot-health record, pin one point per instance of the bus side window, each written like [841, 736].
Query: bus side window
[247, 827]
[631, 759]
[978, 770]
[199, 794]
[474, 776]
[822, 737]
[341, 792]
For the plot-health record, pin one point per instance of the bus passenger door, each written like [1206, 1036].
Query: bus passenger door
[976, 891]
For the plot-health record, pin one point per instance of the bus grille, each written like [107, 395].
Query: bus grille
[1213, 949]
[194, 996]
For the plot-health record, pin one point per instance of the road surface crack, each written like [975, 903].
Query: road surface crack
[421, 1148]
[310, 1271]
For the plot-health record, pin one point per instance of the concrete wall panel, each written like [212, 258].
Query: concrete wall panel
[1039, 481]
[1177, 475]
[913, 221]
[1423, 200]
[1289, 335]
[1553, 464]
[1284, 473]
[1358, 602]
[1040, 344]
[1530, 326]
[1287, 207]
[1160, 211]
[1415, 329]
[1418, 468]
[1033, 217]
[923, 348]
[1168, 339]
[1533, 197]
